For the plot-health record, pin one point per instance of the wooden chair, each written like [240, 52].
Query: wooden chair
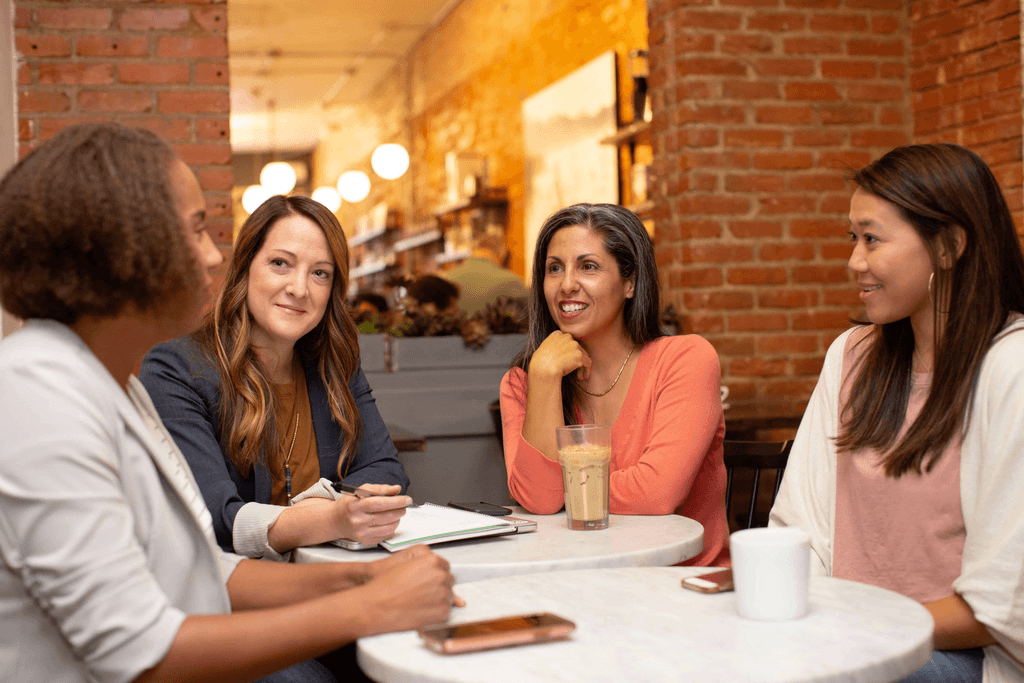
[757, 456]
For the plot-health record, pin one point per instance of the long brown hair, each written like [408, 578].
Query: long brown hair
[627, 241]
[940, 190]
[247, 408]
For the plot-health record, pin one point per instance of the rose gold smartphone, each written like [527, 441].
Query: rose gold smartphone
[715, 582]
[485, 635]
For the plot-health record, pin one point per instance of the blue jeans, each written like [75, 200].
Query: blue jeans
[950, 666]
[333, 667]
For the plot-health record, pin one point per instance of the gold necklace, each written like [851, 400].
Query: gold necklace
[616, 381]
[924, 366]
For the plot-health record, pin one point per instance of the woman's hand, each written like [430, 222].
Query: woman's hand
[413, 587]
[557, 356]
[373, 519]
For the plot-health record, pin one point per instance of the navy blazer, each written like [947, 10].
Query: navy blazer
[185, 388]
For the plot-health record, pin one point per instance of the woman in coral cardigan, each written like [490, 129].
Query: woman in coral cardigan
[595, 354]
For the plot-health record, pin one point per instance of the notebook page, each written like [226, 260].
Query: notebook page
[429, 521]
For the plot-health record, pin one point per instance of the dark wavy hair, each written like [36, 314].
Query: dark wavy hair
[627, 241]
[89, 225]
[248, 427]
[940, 190]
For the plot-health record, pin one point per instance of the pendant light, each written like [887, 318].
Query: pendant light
[390, 161]
[354, 186]
[327, 196]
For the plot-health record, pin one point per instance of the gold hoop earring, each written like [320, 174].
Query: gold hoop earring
[931, 282]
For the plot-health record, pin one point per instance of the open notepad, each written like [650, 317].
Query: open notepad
[430, 523]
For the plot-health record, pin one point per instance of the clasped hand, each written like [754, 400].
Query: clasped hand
[366, 520]
[558, 355]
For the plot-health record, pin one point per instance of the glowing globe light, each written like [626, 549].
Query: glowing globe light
[390, 161]
[278, 177]
[254, 196]
[327, 196]
[354, 186]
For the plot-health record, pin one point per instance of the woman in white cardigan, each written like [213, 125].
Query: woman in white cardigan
[906, 468]
[110, 570]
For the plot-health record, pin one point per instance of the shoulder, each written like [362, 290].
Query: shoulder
[686, 349]
[515, 381]
[182, 355]
[1004, 361]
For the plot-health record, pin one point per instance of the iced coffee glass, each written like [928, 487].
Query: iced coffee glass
[585, 454]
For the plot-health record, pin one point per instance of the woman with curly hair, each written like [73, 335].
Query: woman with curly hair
[267, 400]
[110, 570]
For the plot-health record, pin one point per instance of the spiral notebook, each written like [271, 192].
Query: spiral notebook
[430, 523]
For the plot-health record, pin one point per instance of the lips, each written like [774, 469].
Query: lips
[571, 308]
[291, 309]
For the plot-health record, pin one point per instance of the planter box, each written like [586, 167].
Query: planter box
[441, 389]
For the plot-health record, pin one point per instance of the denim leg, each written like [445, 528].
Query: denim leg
[311, 671]
[950, 666]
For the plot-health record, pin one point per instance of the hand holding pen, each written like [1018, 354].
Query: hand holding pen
[371, 511]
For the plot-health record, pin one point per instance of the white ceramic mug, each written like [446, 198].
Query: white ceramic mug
[771, 570]
[725, 395]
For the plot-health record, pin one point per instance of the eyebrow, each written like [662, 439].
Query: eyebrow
[285, 251]
[578, 258]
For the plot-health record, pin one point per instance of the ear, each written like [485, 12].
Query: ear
[630, 287]
[960, 243]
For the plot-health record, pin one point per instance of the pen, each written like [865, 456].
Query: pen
[342, 487]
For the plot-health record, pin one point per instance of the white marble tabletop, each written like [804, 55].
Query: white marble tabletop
[629, 541]
[639, 624]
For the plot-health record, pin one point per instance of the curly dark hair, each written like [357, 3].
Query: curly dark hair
[89, 225]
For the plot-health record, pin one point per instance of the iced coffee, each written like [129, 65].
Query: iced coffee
[584, 453]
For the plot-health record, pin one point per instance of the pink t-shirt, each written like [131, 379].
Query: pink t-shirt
[666, 444]
[903, 534]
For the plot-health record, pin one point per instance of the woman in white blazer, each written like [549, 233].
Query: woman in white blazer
[906, 468]
[110, 568]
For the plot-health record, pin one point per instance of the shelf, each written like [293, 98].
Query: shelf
[417, 240]
[367, 236]
[488, 196]
[641, 209]
[368, 269]
[454, 256]
[627, 133]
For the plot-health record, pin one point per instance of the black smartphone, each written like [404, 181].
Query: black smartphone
[482, 508]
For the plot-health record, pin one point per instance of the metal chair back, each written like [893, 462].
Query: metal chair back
[758, 456]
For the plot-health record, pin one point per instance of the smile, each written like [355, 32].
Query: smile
[871, 288]
[290, 309]
[572, 307]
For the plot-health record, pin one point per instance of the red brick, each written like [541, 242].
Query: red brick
[112, 46]
[786, 252]
[892, 70]
[35, 101]
[783, 161]
[827, 274]
[768, 21]
[818, 138]
[25, 150]
[807, 366]
[43, 46]
[879, 138]
[699, 229]
[146, 72]
[214, 128]
[821, 320]
[709, 66]
[752, 322]
[747, 90]
[204, 154]
[817, 182]
[75, 73]
[745, 44]
[22, 17]
[698, 137]
[844, 160]
[853, 69]
[50, 127]
[713, 114]
[799, 228]
[714, 205]
[24, 129]
[848, 23]
[841, 297]
[202, 47]
[25, 74]
[717, 300]
[703, 182]
[695, 277]
[115, 100]
[714, 253]
[212, 73]
[778, 114]
[166, 127]
[694, 43]
[704, 324]
[203, 101]
[218, 205]
[221, 231]
[756, 137]
[845, 114]
[815, 91]
[758, 367]
[875, 93]
[787, 343]
[811, 46]
[717, 21]
[155, 19]
[72, 18]
[734, 345]
[838, 204]
[757, 276]
[783, 204]
[784, 67]
[757, 229]
[706, 160]
[754, 183]
[890, 117]
[787, 298]
[216, 178]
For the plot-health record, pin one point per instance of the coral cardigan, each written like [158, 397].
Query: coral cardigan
[666, 443]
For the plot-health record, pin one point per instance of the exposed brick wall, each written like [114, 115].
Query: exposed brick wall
[760, 108]
[966, 80]
[161, 67]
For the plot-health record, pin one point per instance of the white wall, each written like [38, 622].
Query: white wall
[8, 116]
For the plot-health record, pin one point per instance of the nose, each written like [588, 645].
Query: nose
[296, 285]
[569, 282]
[209, 254]
[857, 262]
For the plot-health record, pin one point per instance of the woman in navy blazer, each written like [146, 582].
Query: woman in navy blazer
[268, 396]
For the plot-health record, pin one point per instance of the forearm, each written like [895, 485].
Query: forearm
[955, 625]
[303, 525]
[260, 585]
[242, 647]
[543, 413]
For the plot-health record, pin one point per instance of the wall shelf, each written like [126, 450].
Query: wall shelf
[453, 256]
[631, 133]
[367, 236]
[417, 240]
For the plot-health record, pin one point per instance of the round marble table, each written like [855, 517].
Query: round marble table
[639, 625]
[629, 541]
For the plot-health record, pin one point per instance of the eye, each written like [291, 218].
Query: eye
[322, 274]
[852, 236]
[554, 267]
[869, 238]
[590, 265]
[278, 262]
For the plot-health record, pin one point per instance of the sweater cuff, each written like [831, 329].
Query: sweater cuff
[540, 472]
[249, 533]
[321, 489]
